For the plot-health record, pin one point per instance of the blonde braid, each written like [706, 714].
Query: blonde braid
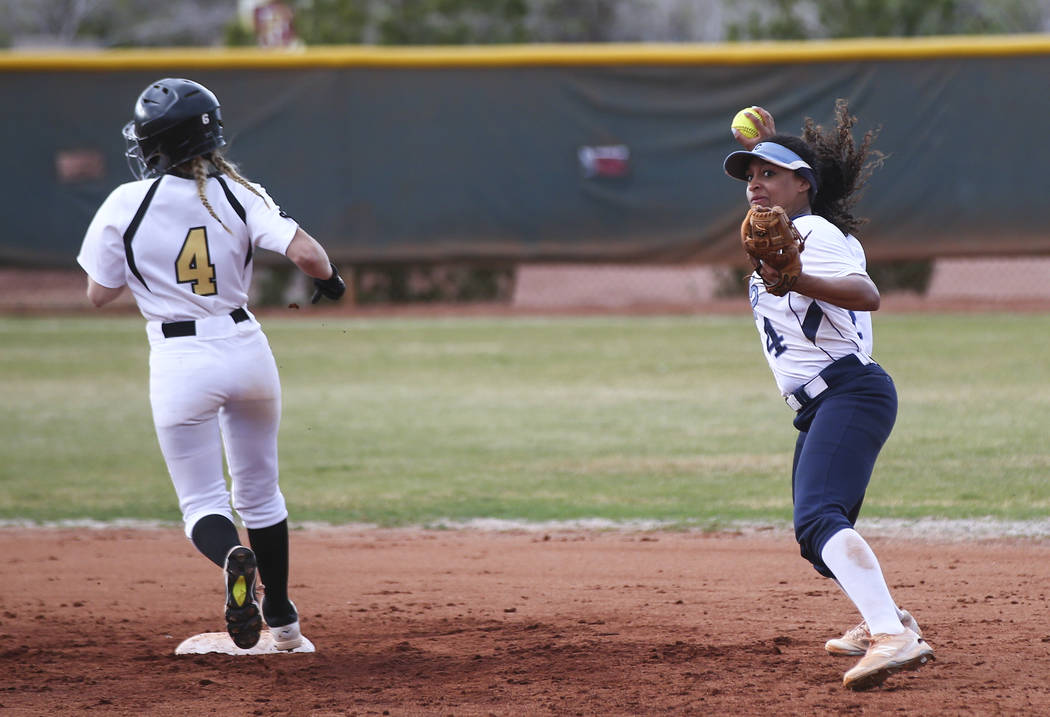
[230, 170]
[199, 166]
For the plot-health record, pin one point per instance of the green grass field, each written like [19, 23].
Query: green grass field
[415, 421]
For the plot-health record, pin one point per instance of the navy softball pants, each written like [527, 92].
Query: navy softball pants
[840, 436]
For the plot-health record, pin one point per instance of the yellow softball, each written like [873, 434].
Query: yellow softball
[743, 124]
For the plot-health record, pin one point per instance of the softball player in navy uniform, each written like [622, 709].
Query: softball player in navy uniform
[817, 341]
[182, 239]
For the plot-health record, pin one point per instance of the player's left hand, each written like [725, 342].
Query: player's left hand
[774, 246]
[769, 274]
[331, 288]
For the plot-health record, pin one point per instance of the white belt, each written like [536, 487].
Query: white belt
[819, 384]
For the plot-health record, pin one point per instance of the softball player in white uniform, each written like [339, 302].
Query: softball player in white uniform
[182, 239]
[817, 340]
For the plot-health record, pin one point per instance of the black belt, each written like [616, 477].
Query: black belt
[172, 329]
[832, 374]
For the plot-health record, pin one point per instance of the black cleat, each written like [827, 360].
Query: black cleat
[243, 618]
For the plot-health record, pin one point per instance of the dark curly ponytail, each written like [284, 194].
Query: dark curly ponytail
[843, 168]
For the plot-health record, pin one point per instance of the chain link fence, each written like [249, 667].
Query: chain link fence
[1003, 282]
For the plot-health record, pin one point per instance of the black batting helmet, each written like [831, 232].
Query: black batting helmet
[175, 120]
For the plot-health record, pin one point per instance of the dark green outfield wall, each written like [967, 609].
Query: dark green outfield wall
[388, 156]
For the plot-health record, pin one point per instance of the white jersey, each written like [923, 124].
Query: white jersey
[157, 237]
[801, 335]
[862, 319]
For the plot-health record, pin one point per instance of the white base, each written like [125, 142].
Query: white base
[221, 642]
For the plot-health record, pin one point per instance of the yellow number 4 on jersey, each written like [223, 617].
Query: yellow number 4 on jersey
[193, 265]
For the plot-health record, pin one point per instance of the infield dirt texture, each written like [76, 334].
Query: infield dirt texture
[411, 622]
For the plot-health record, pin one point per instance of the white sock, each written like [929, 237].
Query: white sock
[857, 572]
[900, 613]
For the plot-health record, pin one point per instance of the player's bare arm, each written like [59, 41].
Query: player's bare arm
[310, 256]
[853, 292]
[307, 254]
[101, 295]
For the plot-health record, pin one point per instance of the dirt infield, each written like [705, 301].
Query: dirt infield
[513, 623]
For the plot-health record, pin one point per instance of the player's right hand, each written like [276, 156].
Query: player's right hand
[765, 126]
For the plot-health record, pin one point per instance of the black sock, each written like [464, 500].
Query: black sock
[271, 555]
[215, 536]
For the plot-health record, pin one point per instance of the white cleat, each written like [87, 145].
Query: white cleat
[886, 655]
[856, 640]
[287, 637]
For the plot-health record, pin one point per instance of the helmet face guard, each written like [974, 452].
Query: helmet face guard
[133, 153]
[175, 120]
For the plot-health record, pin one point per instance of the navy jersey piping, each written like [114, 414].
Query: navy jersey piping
[814, 315]
[811, 323]
[802, 323]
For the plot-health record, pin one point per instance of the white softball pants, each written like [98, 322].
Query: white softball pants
[211, 392]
